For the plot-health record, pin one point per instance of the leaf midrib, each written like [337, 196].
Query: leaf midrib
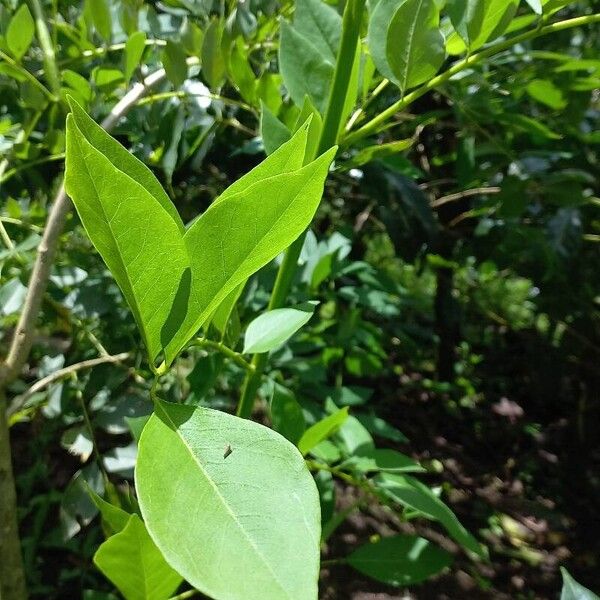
[223, 501]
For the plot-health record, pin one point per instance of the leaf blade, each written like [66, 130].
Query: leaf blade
[246, 542]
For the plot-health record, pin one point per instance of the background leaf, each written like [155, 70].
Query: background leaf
[20, 32]
[400, 560]
[275, 327]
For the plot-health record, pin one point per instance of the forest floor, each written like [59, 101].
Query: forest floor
[512, 482]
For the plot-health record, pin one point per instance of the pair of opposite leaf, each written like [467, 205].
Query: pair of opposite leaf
[172, 276]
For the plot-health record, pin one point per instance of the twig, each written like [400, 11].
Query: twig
[5, 237]
[39, 385]
[465, 194]
[226, 351]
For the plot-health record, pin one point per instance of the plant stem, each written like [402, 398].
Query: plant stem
[31, 78]
[64, 372]
[225, 350]
[332, 123]
[50, 67]
[12, 576]
[466, 63]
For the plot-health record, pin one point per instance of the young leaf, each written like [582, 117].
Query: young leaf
[20, 32]
[322, 430]
[275, 327]
[131, 560]
[572, 590]
[273, 132]
[410, 492]
[305, 71]
[246, 230]
[286, 414]
[123, 159]
[315, 126]
[252, 516]
[480, 21]
[400, 560]
[134, 235]
[114, 518]
[287, 158]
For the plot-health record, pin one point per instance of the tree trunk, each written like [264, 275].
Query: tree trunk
[12, 576]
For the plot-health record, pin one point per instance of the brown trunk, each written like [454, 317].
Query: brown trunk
[12, 576]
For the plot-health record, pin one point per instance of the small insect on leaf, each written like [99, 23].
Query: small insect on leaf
[228, 451]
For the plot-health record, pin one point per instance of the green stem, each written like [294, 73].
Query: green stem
[332, 123]
[50, 67]
[185, 595]
[31, 78]
[34, 163]
[12, 575]
[461, 65]
[226, 351]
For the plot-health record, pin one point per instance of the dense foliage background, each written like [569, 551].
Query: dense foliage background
[457, 280]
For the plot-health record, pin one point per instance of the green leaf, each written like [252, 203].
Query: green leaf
[378, 459]
[78, 83]
[220, 318]
[305, 71]
[287, 158]
[213, 62]
[131, 560]
[379, 151]
[237, 496]
[20, 32]
[133, 238]
[134, 50]
[414, 44]
[400, 560]
[308, 111]
[241, 72]
[286, 414]
[410, 492]
[99, 13]
[173, 282]
[274, 327]
[572, 590]
[125, 160]
[321, 25]
[274, 212]
[273, 132]
[173, 59]
[322, 430]
[545, 92]
[114, 518]
[480, 21]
